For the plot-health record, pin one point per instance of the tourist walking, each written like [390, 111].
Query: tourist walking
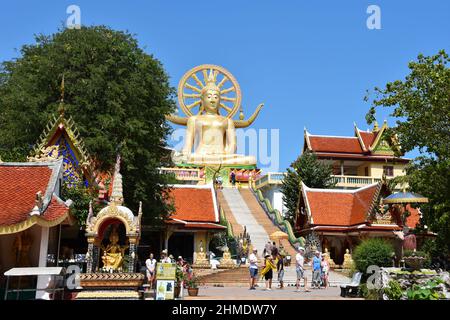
[300, 270]
[233, 178]
[325, 268]
[280, 270]
[317, 270]
[267, 248]
[150, 265]
[274, 250]
[267, 272]
[253, 268]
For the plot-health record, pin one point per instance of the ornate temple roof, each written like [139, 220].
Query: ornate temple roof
[115, 210]
[345, 210]
[364, 145]
[195, 207]
[28, 195]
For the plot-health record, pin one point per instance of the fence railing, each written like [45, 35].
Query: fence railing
[183, 173]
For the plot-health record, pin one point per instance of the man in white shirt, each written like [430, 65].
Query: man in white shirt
[299, 268]
[253, 268]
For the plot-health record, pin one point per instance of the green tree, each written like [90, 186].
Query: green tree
[117, 94]
[421, 106]
[313, 173]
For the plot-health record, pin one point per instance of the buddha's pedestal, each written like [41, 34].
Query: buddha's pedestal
[105, 286]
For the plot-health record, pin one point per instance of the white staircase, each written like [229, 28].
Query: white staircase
[244, 217]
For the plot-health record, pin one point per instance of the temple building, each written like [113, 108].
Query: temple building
[31, 214]
[194, 222]
[340, 219]
[361, 159]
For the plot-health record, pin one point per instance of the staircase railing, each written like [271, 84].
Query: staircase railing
[276, 217]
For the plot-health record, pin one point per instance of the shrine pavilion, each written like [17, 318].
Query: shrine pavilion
[31, 214]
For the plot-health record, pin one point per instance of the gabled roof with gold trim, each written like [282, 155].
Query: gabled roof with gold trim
[28, 195]
[364, 145]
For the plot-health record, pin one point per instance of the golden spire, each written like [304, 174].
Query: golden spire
[117, 190]
[61, 99]
[241, 114]
[376, 128]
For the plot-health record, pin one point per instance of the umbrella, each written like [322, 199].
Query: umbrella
[405, 198]
[278, 235]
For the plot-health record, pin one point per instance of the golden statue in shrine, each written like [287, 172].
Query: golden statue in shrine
[348, 260]
[113, 253]
[211, 136]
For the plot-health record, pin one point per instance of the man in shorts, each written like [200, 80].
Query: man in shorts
[253, 268]
[299, 268]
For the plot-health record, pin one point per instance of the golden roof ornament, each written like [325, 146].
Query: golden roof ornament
[376, 128]
[61, 99]
[117, 190]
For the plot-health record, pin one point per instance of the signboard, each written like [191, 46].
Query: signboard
[165, 290]
[166, 271]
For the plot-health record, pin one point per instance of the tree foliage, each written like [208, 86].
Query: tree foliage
[421, 105]
[116, 93]
[312, 172]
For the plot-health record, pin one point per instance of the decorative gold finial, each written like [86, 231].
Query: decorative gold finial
[117, 190]
[241, 114]
[61, 99]
[376, 128]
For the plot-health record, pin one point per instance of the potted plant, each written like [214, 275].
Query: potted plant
[192, 283]
[180, 276]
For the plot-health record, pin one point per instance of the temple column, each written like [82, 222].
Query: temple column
[90, 255]
[131, 262]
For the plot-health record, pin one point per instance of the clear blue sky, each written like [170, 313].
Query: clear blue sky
[310, 62]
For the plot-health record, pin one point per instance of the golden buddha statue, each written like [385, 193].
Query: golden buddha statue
[201, 260]
[348, 260]
[211, 134]
[226, 261]
[113, 253]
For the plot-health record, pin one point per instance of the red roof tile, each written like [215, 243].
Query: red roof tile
[55, 210]
[18, 188]
[368, 138]
[340, 208]
[193, 204]
[335, 144]
[414, 217]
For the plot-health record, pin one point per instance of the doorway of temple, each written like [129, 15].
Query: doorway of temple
[182, 244]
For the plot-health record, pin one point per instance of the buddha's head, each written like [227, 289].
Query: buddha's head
[114, 237]
[210, 95]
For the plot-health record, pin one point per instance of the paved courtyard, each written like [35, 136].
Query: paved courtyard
[288, 293]
[240, 292]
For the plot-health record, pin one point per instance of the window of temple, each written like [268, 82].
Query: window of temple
[388, 171]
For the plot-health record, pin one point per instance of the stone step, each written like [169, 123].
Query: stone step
[261, 217]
